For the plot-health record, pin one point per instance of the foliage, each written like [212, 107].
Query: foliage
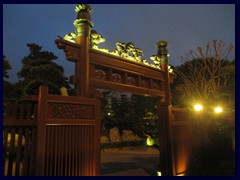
[151, 126]
[121, 112]
[6, 84]
[6, 67]
[208, 77]
[39, 69]
[205, 75]
[129, 112]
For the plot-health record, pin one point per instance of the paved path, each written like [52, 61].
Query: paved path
[141, 161]
[132, 172]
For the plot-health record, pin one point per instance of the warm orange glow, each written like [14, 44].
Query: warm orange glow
[182, 165]
[183, 174]
[198, 107]
[9, 136]
[218, 110]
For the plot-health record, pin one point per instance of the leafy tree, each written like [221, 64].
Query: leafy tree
[39, 69]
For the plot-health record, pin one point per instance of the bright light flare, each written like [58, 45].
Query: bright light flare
[159, 173]
[198, 107]
[218, 110]
[149, 141]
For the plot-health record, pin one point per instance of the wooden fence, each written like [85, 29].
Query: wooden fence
[52, 135]
[19, 137]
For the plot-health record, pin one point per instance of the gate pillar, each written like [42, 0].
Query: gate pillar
[164, 139]
[83, 26]
[164, 114]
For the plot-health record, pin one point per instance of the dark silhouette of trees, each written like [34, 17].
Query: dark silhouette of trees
[7, 86]
[129, 112]
[39, 69]
[6, 67]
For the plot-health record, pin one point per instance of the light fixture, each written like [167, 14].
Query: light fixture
[218, 110]
[198, 107]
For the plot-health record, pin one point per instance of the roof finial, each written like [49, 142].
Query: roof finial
[83, 7]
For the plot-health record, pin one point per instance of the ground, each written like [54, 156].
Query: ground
[134, 161]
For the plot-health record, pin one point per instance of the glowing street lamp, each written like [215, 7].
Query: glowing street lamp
[218, 110]
[198, 107]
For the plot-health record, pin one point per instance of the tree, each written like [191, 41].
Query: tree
[6, 67]
[39, 69]
[209, 77]
[206, 74]
[131, 112]
[6, 84]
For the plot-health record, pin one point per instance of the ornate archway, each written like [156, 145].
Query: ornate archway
[123, 69]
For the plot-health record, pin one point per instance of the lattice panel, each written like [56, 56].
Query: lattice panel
[70, 111]
[69, 150]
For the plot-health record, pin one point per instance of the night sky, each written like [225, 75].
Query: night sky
[184, 26]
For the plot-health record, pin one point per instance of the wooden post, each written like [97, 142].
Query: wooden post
[41, 129]
[164, 114]
[163, 56]
[83, 26]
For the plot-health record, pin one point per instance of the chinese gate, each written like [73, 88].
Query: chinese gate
[68, 128]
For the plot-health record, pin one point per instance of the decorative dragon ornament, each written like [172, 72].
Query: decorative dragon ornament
[125, 50]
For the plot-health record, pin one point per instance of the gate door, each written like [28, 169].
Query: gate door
[68, 135]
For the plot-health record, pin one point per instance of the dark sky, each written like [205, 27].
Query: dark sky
[184, 26]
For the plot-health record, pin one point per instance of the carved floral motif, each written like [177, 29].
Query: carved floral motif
[72, 53]
[70, 111]
[100, 74]
[131, 80]
[144, 84]
[96, 38]
[71, 37]
[116, 77]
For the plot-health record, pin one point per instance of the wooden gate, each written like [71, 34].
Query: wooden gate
[68, 128]
[68, 135]
[123, 70]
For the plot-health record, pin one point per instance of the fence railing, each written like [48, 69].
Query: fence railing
[51, 135]
[19, 137]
